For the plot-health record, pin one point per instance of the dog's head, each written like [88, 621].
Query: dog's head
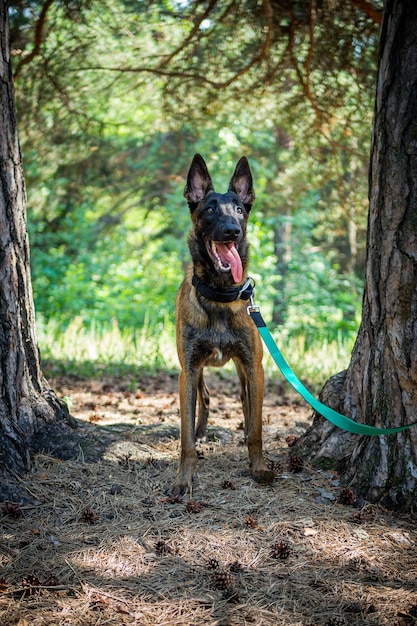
[220, 219]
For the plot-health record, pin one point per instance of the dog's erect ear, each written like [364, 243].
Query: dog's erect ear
[198, 182]
[242, 184]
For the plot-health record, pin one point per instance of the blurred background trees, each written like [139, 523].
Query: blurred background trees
[115, 97]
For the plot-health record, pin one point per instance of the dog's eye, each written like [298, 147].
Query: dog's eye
[239, 210]
[210, 210]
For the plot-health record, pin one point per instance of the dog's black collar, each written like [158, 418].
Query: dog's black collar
[225, 295]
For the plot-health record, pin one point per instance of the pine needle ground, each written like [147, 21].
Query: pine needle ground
[98, 541]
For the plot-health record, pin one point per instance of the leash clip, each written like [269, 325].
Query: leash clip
[253, 308]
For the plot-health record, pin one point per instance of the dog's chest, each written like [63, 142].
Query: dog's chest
[215, 345]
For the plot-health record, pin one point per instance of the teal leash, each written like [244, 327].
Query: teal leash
[330, 414]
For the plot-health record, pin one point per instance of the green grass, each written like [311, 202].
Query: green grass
[98, 350]
[313, 364]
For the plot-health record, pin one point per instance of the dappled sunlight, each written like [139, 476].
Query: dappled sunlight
[119, 557]
[84, 348]
[107, 346]
[313, 362]
[104, 104]
[104, 543]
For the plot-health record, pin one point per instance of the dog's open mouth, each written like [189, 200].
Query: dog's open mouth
[226, 258]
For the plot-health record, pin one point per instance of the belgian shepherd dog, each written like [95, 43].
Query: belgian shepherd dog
[213, 325]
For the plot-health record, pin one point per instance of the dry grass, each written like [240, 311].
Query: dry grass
[102, 544]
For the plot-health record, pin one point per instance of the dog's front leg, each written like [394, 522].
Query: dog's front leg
[259, 470]
[188, 383]
[251, 377]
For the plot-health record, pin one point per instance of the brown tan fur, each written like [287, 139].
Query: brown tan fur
[210, 333]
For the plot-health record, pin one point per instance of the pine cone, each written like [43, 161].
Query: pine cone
[213, 564]
[89, 516]
[275, 466]
[295, 464]
[161, 547]
[193, 506]
[353, 607]
[223, 579]
[280, 550]
[251, 521]
[291, 440]
[31, 584]
[12, 509]
[228, 485]
[359, 517]
[173, 499]
[347, 497]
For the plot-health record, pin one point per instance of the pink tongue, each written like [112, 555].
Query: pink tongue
[232, 256]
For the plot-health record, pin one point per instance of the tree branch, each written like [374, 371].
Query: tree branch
[38, 39]
[192, 34]
[369, 9]
[304, 78]
[159, 70]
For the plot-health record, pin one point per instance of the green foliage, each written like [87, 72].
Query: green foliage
[99, 349]
[121, 95]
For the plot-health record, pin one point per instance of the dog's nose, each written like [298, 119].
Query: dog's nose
[231, 231]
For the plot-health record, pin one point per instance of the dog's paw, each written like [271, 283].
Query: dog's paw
[180, 488]
[176, 491]
[263, 477]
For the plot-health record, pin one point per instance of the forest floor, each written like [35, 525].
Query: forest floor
[98, 541]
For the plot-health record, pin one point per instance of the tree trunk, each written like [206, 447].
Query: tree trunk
[29, 410]
[380, 385]
[282, 236]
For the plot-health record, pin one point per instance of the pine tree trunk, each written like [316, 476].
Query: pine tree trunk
[380, 385]
[28, 406]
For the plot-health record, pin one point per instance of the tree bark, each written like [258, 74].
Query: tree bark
[29, 409]
[380, 385]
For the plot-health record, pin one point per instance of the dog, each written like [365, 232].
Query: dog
[212, 322]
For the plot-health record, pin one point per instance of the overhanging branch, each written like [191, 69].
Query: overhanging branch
[40, 24]
[369, 9]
